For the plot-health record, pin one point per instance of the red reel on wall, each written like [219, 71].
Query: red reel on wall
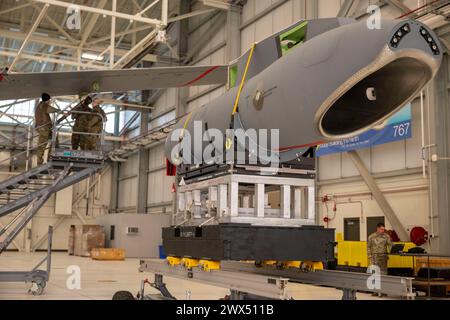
[419, 236]
[393, 235]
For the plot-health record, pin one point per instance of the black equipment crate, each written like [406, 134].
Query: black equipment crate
[241, 242]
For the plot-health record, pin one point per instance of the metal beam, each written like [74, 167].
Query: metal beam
[357, 281]
[45, 58]
[14, 242]
[119, 34]
[104, 12]
[56, 25]
[27, 38]
[64, 44]
[15, 8]
[215, 26]
[143, 11]
[191, 14]
[91, 23]
[345, 8]
[271, 287]
[138, 48]
[143, 165]
[112, 43]
[379, 196]
[399, 5]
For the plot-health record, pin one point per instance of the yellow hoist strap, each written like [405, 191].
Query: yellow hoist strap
[186, 124]
[244, 76]
[236, 104]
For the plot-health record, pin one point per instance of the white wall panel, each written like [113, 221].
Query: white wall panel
[261, 5]
[248, 11]
[388, 157]
[159, 185]
[329, 8]
[247, 38]
[283, 17]
[330, 167]
[414, 145]
[264, 28]
[127, 193]
[347, 166]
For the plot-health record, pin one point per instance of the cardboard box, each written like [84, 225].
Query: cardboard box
[88, 237]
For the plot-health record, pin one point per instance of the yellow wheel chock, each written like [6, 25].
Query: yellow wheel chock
[292, 264]
[190, 263]
[208, 265]
[173, 261]
[309, 266]
[269, 263]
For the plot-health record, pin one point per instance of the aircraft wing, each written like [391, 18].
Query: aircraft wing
[32, 85]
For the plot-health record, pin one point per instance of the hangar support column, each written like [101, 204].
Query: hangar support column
[143, 166]
[439, 104]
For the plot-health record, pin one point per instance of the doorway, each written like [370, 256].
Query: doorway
[352, 229]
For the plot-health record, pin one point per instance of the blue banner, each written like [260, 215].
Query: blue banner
[397, 128]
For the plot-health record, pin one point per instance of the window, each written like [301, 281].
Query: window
[22, 111]
[293, 38]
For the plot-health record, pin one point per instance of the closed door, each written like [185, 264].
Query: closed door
[351, 229]
[372, 223]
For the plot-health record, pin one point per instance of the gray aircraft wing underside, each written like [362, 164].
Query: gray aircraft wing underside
[32, 85]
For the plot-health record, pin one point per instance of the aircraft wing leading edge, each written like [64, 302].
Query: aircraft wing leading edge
[31, 85]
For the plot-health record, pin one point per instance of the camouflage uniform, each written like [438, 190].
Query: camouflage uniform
[378, 247]
[81, 125]
[96, 128]
[43, 125]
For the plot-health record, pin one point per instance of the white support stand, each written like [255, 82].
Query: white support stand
[286, 201]
[244, 198]
[260, 202]
[222, 207]
[234, 198]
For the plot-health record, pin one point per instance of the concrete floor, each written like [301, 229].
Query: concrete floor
[100, 280]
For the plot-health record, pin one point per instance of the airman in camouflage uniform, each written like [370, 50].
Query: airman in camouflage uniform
[378, 247]
[81, 124]
[43, 125]
[95, 126]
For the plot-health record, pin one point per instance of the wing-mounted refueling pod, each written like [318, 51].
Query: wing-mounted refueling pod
[332, 85]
